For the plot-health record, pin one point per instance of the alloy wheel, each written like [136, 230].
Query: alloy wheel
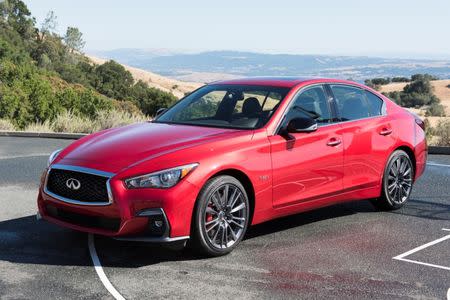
[225, 216]
[399, 182]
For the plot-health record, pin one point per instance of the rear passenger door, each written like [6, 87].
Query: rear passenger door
[367, 136]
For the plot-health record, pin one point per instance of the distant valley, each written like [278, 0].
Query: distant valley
[216, 65]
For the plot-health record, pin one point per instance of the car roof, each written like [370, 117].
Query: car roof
[281, 81]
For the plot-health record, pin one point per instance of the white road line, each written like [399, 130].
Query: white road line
[448, 294]
[98, 268]
[423, 263]
[437, 165]
[422, 247]
[403, 255]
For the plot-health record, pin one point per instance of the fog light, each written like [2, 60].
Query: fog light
[157, 226]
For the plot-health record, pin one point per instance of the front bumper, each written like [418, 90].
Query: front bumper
[131, 215]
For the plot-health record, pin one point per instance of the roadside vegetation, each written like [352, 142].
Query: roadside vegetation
[418, 93]
[71, 123]
[440, 134]
[419, 96]
[45, 79]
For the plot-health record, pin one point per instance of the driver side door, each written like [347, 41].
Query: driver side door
[308, 166]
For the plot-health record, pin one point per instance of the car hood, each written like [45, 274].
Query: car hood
[117, 149]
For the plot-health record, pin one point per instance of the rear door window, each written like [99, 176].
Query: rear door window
[351, 102]
[375, 104]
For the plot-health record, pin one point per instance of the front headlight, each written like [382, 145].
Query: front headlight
[160, 180]
[52, 157]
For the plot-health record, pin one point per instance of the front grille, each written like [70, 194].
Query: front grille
[92, 188]
[112, 224]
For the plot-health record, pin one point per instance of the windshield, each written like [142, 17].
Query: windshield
[231, 106]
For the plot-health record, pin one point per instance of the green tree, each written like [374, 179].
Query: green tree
[49, 24]
[149, 100]
[17, 15]
[112, 80]
[74, 39]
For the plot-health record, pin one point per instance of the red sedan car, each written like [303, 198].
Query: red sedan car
[232, 154]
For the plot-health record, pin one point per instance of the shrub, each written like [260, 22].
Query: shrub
[7, 125]
[442, 132]
[420, 86]
[114, 118]
[69, 122]
[436, 110]
[394, 96]
[418, 99]
[400, 79]
[423, 77]
[126, 106]
[104, 119]
[149, 100]
[377, 81]
[45, 126]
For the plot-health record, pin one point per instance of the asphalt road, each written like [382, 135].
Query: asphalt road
[343, 251]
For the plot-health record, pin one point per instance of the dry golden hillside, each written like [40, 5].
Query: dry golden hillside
[440, 90]
[176, 87]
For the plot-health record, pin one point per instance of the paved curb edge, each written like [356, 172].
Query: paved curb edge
[51, 135]
[438, 150]
[75, 136]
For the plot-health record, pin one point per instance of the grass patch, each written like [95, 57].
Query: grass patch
[6, 125]
[69, 122]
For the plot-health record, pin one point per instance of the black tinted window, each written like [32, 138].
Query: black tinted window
[313, 103]
[375, 104]
[351, 102]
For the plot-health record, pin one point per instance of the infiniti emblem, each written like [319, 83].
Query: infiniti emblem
[73, 184]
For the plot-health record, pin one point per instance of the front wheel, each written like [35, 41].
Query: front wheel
[221, 216]
[397, 182]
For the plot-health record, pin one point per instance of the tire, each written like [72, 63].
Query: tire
[397, 184]
[217, 228]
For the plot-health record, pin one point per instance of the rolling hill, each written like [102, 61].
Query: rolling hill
[214, 65]
[176, 87]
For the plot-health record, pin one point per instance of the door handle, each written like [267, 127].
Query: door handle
[334, 142]
[385, 131]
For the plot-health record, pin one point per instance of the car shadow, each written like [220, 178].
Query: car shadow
[25, 240]
[426, 209]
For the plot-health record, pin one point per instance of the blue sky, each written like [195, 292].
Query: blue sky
[395, 28]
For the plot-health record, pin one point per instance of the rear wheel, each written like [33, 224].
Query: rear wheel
[221, 216]
[397, 182]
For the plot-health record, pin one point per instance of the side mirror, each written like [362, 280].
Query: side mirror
[160, 111]
[301, 125]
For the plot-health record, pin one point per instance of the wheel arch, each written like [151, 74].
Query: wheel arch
[411, 155]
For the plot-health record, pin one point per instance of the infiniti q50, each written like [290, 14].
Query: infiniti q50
[233, 154]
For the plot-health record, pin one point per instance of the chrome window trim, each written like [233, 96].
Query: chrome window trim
[81, 170]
